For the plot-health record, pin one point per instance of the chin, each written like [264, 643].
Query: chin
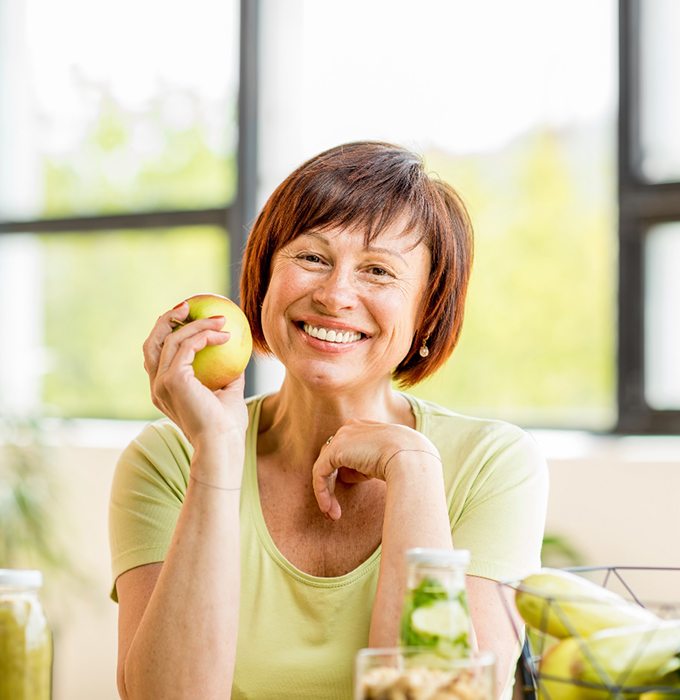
[324, 379]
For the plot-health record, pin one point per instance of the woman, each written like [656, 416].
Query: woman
[257, 545]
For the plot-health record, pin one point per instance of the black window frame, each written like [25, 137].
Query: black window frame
[641, 205]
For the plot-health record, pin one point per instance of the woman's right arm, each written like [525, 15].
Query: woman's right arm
[178, 621]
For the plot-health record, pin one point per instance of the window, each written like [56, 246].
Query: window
[649, 205]
[128, 152]
[120, 139]
[501, 104]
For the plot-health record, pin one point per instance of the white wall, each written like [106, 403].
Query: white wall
[615, 499]
[620, 507]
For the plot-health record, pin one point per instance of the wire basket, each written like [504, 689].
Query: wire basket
[655, 588]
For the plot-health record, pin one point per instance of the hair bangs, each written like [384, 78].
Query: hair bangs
[371, 204]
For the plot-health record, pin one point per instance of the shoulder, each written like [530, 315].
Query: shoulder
[478, 444]
[163, 445]
[159, 441]
[153, 463]
[163, 439]
[464, 431]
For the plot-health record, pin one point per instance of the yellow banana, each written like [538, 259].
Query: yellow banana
[628, 656]
[563, 604]
[666, 688]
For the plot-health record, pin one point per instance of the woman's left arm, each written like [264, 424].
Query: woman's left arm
[492, 625]
[416, 514]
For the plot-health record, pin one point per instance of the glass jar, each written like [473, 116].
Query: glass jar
[435, 614]
[408, 672]
[25, 639]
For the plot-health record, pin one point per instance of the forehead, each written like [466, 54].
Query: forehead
[399, 236]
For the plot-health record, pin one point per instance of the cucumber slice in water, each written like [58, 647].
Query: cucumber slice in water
[443, 618]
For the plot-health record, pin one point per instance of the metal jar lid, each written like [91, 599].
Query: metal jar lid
[438, 557]
[20, 578]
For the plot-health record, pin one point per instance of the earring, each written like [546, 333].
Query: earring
[424, 350]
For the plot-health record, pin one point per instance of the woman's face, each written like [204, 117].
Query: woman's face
[340, 314]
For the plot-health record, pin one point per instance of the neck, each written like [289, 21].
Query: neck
[299, 419]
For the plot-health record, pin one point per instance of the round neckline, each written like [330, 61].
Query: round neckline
[261, 526]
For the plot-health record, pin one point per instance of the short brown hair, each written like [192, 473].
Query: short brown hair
[370, 184]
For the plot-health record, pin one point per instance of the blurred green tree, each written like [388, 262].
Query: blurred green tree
[538, 340]
[104, 290]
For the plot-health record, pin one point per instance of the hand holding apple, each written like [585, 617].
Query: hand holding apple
[218, 365]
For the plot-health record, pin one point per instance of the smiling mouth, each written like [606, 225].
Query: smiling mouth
[331, 335]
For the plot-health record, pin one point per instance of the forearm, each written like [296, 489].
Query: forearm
[495, 622]
[416, 515]
[185, 645]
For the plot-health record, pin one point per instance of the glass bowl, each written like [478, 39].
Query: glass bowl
[414, 673]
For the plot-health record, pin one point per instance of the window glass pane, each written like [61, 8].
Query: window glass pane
[662, 330]
[524, 127]
[93, 299]
[115, 107]
[659, 93]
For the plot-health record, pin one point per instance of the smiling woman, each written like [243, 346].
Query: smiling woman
[361, 303]
[371, 190]
[241, 525]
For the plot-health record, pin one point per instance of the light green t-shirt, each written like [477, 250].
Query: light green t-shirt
[298, 634]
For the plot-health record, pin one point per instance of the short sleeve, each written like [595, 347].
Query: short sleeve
[502, 519]
[147, 493]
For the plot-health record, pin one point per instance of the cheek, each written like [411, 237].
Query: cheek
[268, 312]
[280, 294]
[402, 310]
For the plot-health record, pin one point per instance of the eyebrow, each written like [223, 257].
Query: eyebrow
[371, 248]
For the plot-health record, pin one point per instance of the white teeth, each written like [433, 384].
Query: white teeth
[331, 335]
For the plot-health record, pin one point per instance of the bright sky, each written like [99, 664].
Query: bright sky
[133, 46]
[465, 74]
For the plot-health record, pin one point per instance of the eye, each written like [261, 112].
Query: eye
[310, 258]
[377, 271]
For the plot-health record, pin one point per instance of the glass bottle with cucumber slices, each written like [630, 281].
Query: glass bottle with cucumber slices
[435, 616]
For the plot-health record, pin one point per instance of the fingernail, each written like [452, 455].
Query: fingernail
[218, 316]
[181, 303]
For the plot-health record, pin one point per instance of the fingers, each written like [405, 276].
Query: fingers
[324, 476]
[351, 476]
[162, 328]
[360, 450]
[169, 331]
[180, 347]
[170, 350]
[237, 386]
[175, 370]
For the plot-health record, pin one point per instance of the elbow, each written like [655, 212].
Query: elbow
[120, 682]
[134, 688]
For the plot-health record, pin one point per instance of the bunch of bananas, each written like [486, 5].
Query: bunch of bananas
[604, 647]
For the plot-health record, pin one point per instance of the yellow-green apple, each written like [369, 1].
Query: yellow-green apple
[218, 365]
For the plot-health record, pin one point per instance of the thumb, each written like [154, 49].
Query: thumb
[324, 476]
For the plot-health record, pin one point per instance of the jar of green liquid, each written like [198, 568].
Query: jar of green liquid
[435, 615]
[25, 639]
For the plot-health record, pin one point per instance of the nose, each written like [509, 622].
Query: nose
[336, 291]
